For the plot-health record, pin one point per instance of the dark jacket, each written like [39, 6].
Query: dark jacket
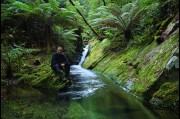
[58, 59]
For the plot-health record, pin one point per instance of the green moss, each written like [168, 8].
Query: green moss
[156, 38]
[168, 93]
[165, 22]
[157, 59]
[41, 76]
[97, 53]
[161, 26]
[150, 59]
[27, 78]
[25, 92]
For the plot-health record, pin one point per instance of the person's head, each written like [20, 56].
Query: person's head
[59, 50]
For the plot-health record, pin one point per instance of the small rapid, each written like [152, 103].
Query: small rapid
[99, 97]
[85, 82]
[84, 54]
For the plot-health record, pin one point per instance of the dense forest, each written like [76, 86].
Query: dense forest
[31, 30]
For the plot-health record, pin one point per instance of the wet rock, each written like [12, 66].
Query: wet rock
[173, 62]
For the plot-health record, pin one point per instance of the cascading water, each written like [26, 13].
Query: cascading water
[84, 54]
[85, 82]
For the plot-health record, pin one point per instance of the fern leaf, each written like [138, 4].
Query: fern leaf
[22, 6]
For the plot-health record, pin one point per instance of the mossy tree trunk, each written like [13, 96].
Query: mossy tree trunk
[104, 2]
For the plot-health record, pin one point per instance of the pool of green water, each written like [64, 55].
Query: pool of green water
[91, 96]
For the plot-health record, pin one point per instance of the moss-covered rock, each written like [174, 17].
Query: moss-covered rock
[41, 76]
[136, 68]
[167, 94]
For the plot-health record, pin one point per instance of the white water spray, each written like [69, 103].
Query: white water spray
[84, 54]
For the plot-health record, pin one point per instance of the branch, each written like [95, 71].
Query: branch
[85, 20]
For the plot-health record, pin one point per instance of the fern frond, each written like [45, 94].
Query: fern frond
[110, 23]
[126, 18]
[54, 4]
[135, 19]
[114, 9]
[128, 7]
[6, 15]
[23, 6]
[11, 1]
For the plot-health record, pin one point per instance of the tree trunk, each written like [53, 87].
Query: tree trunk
[104, 2]
[8, 69]
[46, 1]
[48, 38]
[79, 42]
[127, 35]
[86, 21]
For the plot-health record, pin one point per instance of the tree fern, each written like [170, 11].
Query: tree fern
[123, 18]
[11, 56]
[54, 4]
[66, 38]
[5, 13]
[23, 6]
[39, 18]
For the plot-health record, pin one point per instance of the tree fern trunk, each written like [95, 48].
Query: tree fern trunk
[79, 42]
[127, 34]
[86, 21]
[48, 38]
[28, 30]
[46, 1]
[104, 2]
[9, 69]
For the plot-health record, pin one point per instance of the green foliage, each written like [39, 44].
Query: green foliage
[151, 15]
[37, 19]
[5, 14]
[122, 19]
[12, 56]
[42, 12]
[4, 82]
[66, 37]
[95, 3]
[121, 2]
[54, 4]
[21, 7]
[147, 25]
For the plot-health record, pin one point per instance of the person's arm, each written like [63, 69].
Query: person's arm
[54, 59]
[65, 59]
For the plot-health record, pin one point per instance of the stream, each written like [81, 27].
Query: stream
[91, 96]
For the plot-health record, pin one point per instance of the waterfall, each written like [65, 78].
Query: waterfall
[84, 54]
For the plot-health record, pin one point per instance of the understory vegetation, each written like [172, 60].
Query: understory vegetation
[122, 36]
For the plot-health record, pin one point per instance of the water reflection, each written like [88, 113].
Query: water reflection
[93, 96]
[99, 98]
